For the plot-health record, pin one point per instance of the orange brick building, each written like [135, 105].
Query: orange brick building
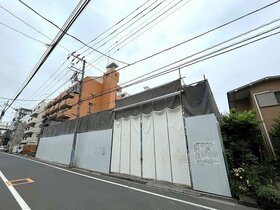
[101, 93]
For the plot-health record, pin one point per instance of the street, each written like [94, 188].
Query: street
[53, 187]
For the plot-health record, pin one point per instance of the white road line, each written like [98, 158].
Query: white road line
[18, 198]
[121, 185]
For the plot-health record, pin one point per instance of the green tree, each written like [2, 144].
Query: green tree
[242, 137]
[275, 130]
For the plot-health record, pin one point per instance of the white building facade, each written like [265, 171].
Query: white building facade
[34, 125]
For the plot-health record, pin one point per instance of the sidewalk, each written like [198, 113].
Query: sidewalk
[159, 185]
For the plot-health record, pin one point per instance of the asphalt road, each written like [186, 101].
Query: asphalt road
[60, 188]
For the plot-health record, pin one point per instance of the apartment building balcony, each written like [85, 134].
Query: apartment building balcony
[66, 104]
[64, 115]
[28, 132]
[53, 116]
[31, 122]
[67, 95]
[51, 110]
[32, 130]
[35, 113]
[47, 113]
[49, 105]
[24, 141]
[56, 107]
[28, 139]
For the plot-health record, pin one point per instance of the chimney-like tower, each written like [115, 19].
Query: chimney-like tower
[112, 67]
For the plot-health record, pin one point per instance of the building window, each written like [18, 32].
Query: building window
[268, 99]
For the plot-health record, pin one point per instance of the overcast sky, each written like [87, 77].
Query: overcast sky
[184, 20]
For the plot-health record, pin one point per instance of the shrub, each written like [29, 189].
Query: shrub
[268, 197]
[275, 130]
[242, 137]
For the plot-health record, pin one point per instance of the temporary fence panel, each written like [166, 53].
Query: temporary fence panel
[206, 155]
[55, 149]
[125, 146]
[93, 150]
[163, 145]
[162, 154]
[148, 152]
[135, 147]
[178, 147]
[116, 146]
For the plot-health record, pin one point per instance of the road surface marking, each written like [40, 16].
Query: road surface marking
[19, 181]
[117, 184]
[18, 198]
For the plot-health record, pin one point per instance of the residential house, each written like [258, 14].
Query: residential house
[262, 95]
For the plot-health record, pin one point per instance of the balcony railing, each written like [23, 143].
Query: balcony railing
[66, 104]
[64, 114]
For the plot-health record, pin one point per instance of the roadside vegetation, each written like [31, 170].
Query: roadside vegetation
[251, 173]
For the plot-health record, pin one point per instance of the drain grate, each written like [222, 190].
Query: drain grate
[19, 181]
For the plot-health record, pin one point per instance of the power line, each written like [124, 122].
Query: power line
[150, 27]
[24, 34]
[74, 15]
[214, 46]
[124, 24]
[127, 36]
[202, 34]
[46, 82]
[192, 62]
[247, 14]
[74, 37]
[198, 36]
[117, 42]
[4, 98]
[29, 25]
[216, 53]
[116, 30]
[117, 23]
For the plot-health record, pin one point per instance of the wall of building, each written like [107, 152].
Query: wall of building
[34, 125]
[268, 113]
[243, 104]
[92, 95]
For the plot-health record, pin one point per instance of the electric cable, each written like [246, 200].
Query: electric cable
[118, 22]
[116, 30]
[24, 34]
[29, 25]
[74, 37]
[149, 22]
[127, 36]
[74, 15]
[202, 58]
[202, 34]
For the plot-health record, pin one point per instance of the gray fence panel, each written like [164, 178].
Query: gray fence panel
[55, 149]
[93, 150]
[206, 155]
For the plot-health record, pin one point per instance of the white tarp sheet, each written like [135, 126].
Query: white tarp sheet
[125, 146]
[162, 156]
[135, 147]
[164, 147]
[55, 149]
[148, 153]
[206, 155]
[116, 146]
[93, 150]
[178, 147]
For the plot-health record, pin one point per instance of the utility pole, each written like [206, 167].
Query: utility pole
[82, 71]
[3, 110]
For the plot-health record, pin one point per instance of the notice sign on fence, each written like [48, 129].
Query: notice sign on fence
[205, 152]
